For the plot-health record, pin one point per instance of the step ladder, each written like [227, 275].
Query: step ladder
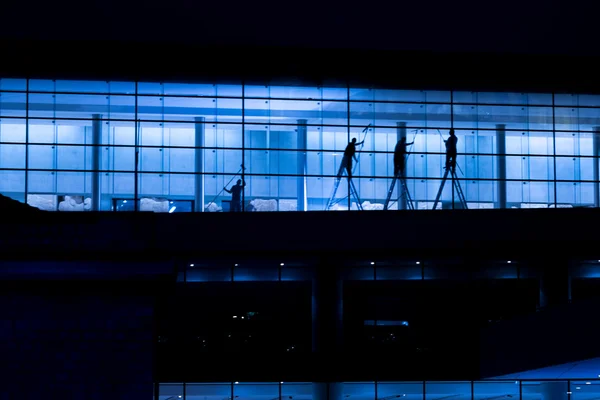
[404, 194]
[353, 192]
[456, 186]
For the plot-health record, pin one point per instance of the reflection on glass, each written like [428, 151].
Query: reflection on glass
[255, 391]
[208, 391]
[170, 391]
[362, 390]
[400, 390]
[551, 389]
[444, 390]
[496, 390]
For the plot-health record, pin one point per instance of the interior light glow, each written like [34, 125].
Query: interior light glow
[191, 265]
[236, 382]
[282, 264]
[172, 209]
[372, 262]
[509, 261]
[418, 262]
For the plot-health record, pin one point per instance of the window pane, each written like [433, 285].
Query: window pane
[437, 390]
[82, 86]
[13, 105]
[170, 391]
[404, 390]
[255, 391]
[117, 163]
[496, 390]
[13, 84]
[297, 391]
[207, 391]
[12, 158]
[582, 389]
[362, 390]
[541, 389]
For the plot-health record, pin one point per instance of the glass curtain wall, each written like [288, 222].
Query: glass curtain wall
[420, 390]
[170, 147]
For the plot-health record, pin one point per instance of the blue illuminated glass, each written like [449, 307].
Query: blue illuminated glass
[192, 138]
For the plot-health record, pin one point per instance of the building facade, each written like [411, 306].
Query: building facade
[168, 147]
[214, 305]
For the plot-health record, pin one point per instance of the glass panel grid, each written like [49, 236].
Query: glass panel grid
[86, 142]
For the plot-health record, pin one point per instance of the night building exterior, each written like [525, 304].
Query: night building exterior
[137, 281]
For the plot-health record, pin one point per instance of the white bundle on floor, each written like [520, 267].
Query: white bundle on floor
[368, 206]
[154, 205]
[264, 205]
[75, 203]
[212, 207]
[41, 201]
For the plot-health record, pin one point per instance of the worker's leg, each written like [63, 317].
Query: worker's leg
[453, 162]
[342, 167]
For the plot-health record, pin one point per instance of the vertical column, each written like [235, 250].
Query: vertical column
[596, 169]
[327, 330]
[328, 390]
[199, 165]
[401, 133]
[501, 165]
[327, 310]
[302, 165]
[554, 281]
[96, 157]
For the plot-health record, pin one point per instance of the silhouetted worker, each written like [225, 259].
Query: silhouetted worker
[236, 195]
[349, 155]
[400, 157]
[451, 151]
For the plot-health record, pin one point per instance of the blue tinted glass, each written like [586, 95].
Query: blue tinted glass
[13, 84]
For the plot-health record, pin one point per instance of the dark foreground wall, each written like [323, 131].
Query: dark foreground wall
[143, 237]
[554, 336]
[75, 341]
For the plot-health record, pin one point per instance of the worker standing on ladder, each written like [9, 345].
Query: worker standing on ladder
[400, 157]
[349, 155]
[451, 151]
